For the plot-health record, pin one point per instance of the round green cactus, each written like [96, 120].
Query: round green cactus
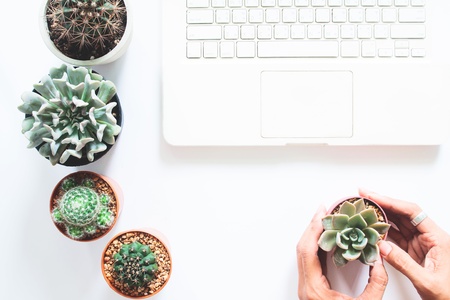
[353, 233]
[86, 29]
[135, 265]
[70, 114]
[81, 210]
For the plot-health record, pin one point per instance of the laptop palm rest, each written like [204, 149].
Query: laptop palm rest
[306, 104]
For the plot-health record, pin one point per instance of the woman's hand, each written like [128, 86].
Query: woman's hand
[421, 253]
[313, 285]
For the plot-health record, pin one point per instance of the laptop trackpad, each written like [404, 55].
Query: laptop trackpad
[306, 104]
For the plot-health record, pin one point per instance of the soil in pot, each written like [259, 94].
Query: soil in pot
[162, 258]
[104, 214]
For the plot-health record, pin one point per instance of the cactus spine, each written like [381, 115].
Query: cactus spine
[81, 210]
[135, 264]
[86, 29]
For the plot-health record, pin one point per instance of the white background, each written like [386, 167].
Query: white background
[232, 215]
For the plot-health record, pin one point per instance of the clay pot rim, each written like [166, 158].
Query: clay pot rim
[117, 194]
[150, 231]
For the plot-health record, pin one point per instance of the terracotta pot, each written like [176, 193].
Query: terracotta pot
[109, 57]
[104, 187]
[382, 218]
[158, 245]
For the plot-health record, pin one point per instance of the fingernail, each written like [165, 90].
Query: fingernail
[366, 192]
[385, 248]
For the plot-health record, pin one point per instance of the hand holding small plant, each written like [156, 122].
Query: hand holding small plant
[353, 233]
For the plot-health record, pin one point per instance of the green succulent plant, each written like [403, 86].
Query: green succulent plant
[86, 29]
[69, 113]
[135, 264]
[353, 233]
[81, 210]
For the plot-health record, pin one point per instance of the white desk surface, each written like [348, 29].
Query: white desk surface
[233, 216]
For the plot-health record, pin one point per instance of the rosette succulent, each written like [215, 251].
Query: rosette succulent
[81, 210]
[135, 264]
[353, 233]
[69, 113]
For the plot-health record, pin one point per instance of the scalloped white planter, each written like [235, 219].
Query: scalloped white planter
[111, 56]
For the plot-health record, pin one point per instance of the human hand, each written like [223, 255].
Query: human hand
[312, 283]
[422, 253]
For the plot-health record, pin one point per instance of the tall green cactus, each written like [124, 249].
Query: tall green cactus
[135, 264]
[81, 210]
[86, 29]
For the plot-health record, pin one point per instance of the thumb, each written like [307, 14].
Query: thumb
[377, 282]
[401, 261]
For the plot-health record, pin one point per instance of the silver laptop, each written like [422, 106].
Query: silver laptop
[282, 72]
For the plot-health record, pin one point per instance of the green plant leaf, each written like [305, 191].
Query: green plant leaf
[342, 241]
[106, 91]
[348, 209]
[360, 245]
[381, 227]
[340, 221]
[360, 205]
[370, 216]
[338, 259]
[31, 102]
[351, 254]
[370, 254]
[357, 221]
[372, 235]
[327, 223]
[327, 240]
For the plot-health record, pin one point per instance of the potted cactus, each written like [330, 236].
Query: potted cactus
[85, 205]
[72, 116]
[352, 230]
[86, 32]
[137, 263]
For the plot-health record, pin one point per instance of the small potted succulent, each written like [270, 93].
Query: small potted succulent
[72, 116]
[85, 205]
[352, 230]
[137, 264]
[86, 32]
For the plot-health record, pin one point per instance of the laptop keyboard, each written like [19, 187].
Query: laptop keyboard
[305, 28]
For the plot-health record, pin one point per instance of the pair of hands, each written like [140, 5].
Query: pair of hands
[421, 253]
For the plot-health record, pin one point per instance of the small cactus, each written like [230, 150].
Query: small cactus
[353, 233]
[135, 264]
[70, 114]
[86, 29]
[81, 210]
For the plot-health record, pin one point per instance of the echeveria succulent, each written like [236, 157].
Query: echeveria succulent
[81, 210]
[135, 264]
[69, 113]
[353, 233]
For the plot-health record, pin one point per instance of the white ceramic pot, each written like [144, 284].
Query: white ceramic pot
[111, 56]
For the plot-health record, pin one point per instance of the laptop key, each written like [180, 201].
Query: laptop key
[408, 31]
[298, 49]
[204, 32]
[197, 3]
